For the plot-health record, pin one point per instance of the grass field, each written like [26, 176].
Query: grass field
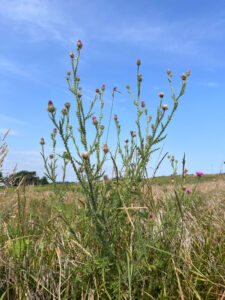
[161, 247]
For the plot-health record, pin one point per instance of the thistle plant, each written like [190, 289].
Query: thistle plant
[87, 156]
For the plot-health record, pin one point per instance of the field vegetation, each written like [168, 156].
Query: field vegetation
[130, 237]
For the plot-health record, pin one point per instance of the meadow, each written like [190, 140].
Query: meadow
[125, 237]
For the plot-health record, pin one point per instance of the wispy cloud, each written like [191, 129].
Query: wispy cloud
[12, 120]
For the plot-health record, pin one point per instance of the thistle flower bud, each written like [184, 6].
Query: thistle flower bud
[86, 155]
[102, 127]
[70, 127]
[51, 107]
[97, 90]
[133, 133]
[139, 77]
[105, 148]
[169, 72]
[55, 130]
[165, 107]
[183, 77]
[188, 72]
[161, 94]
[183, 187]
[168, 156]
[138, 62]
[65, 155]
[64, 111]
[115, 117]
[79, 95]
[172, 159]
[67, 105]
[51, 156]
[42, 142]
[172, 179]
[186, 170]
[94, 120]
[78, 78]
[79, 44]
[81, 169]
[128, 87]
[143, 104]
[103, 87]
[68, 73]
[71, 54]
[126, 140]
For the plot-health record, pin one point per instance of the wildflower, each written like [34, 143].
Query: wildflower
[128, 87]
[172, 179]
[115, 117]
[103, 87]
[51, 156]
[172, 158]
[70, 127]
[71, 54]
[102, 127]
[183, 77]
[126, 140]
[151, 217]
[189, 191]
[86, 155]
[105, 148]
[81, 169]
[51, 107]
[79, 95]
[68, 73]
[79, 44]
[138, 62]
[168, 156]
[67, 105]
[169, 72]
[188, 72]
[94, 120]
[139, 77]
[64, 111]
[42, 142]
[97, 90]
[161, 94]
[133, 133]
[186, 170]
[165, 107]
[199, 174]
[142, 103]
[78, 78]
[55, 130]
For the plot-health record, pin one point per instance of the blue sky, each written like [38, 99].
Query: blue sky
[37, 35]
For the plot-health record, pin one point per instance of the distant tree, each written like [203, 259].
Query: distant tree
[31, 178]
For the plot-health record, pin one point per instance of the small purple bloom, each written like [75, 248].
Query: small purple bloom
[199, 174]
[188, 191]
[151, 217]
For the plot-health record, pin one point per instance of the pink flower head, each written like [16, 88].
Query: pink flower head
[55, 130]
[103, 87]
[42, 142]
[188, 191]
[64, 111]
[151, 217]
[172, 179]
[79, 44]
[93, 118]
[50, 103]
[138, 62]
[199, 174]
[142, 103]
[115, 117]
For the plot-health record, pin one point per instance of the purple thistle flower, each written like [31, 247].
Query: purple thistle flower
[199, 174]
[189, 191]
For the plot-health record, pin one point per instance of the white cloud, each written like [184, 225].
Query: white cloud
[12, 120]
